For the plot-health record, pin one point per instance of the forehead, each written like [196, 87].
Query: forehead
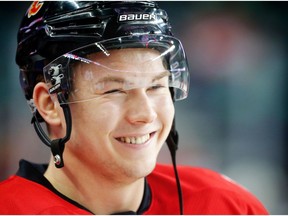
[123, 61]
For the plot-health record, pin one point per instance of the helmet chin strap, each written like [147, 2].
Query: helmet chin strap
[172, 142]
[57, 146]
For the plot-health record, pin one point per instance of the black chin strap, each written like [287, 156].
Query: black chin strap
[57, 146]
[172, 142]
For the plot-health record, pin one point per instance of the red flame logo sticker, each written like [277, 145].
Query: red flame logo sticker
[34, 8]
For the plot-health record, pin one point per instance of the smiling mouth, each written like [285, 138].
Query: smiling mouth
[135, 140]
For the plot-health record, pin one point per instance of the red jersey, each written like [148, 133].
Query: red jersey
[204, 192]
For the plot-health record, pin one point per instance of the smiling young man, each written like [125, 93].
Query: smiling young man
[104, 76]
[122, 112]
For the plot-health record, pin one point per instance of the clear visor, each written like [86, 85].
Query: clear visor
[120, 65]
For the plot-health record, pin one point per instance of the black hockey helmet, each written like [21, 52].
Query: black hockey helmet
[51, 29]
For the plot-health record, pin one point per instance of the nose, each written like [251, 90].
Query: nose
[140, 108]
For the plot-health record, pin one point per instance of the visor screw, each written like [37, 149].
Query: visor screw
[57, 159]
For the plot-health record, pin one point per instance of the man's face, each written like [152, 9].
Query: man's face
[120, 132]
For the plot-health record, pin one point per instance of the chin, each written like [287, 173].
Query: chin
[143, 169]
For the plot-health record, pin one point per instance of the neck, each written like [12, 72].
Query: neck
[97, 193]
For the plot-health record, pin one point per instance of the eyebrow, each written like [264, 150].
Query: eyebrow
[161, 75]
[122, 80]
[111, 79]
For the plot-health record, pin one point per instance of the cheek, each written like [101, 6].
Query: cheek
[165, 109]
[92, 118]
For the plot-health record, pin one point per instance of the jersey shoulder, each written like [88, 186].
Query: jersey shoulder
[204, 192]
[21, 196]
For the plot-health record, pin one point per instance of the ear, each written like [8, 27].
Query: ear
[49, 109]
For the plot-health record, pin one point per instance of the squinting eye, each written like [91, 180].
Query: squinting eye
[155, 87]
[113, 91]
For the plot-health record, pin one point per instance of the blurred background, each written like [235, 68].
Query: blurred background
[234, 120]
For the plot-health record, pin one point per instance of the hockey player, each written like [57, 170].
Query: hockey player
[103, 77]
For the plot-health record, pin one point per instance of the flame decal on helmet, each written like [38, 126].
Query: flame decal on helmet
[34, 8]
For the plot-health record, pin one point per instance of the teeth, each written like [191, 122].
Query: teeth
[135, 140]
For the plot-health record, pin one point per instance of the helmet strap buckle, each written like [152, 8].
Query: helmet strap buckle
[57, 148]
